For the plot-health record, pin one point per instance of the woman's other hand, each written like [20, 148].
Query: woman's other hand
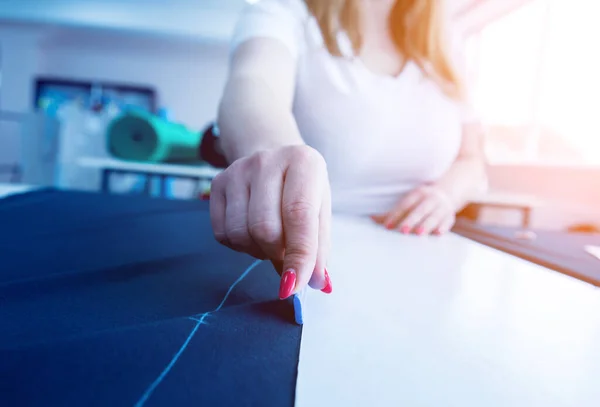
[423, 211]
[276, 204]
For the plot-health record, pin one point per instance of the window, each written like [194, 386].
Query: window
[535, 81]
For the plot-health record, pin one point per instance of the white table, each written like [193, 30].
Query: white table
[12, 189]
[445, 322]
[109, 166]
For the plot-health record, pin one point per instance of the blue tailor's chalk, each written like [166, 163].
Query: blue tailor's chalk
[299, 303]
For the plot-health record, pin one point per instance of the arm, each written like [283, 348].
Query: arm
[273, 201]
[255, 113]
[467, 176]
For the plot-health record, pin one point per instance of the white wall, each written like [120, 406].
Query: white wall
[191, 18]
[18, 63]
[188, 76]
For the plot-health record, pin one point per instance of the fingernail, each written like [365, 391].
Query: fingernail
[389, 226]
[288, 282]
[405, 230]
[328, 288]
[420, 230]
[437, 232]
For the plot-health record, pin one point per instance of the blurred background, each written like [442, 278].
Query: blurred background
[83, 83]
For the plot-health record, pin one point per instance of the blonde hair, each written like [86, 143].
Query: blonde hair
[416, 26]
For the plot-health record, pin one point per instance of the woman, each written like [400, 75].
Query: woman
[350, 106]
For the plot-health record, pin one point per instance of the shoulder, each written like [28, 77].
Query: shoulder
[281, 20]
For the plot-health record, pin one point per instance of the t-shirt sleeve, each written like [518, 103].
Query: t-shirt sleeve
[281, 20]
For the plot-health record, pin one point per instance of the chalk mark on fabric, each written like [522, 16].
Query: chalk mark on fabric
[199, 322]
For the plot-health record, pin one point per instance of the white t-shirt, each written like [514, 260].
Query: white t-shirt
[381, 136]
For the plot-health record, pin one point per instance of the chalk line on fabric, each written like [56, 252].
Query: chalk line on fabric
[199, 322]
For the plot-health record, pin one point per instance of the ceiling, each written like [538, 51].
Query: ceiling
[212, 19]
[196, 19]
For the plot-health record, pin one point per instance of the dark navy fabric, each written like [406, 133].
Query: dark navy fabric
[556, 250]
[99, 293]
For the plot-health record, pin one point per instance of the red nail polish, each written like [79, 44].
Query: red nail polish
[328, 288]
[405, 230]
[389, 226]
[437, 232]
[419, 231]
[288, 282]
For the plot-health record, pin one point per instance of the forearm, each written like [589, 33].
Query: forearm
[252, 119]
[465, 179]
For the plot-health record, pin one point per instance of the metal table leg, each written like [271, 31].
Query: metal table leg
[162, 187]
[526, 217]
[148, 184]
[105, 180]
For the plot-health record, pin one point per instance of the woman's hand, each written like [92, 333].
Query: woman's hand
[423, 211]
[276, 205]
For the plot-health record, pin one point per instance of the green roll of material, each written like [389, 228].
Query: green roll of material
[139, 136]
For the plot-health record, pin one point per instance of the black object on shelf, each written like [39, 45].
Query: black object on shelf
[95, 94]
[209, 150]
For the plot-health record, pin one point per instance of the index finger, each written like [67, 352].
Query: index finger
[401, 210]
[300, 207]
